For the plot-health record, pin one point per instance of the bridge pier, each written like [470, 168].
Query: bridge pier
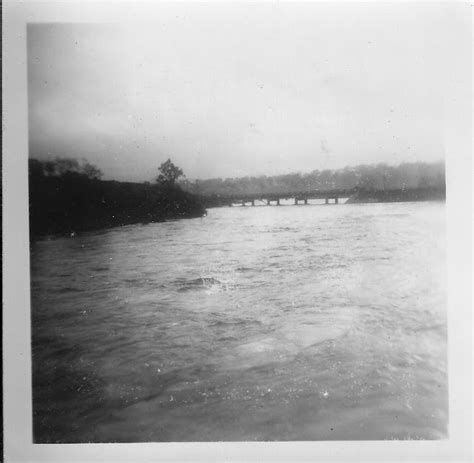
[299, 198]
[297, 201]
[245, 202]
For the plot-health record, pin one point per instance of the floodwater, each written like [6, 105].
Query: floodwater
[253, 323]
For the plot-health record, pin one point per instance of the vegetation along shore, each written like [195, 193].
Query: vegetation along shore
[67, 196]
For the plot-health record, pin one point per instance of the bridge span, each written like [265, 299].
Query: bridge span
[330, 196]
[299, 197]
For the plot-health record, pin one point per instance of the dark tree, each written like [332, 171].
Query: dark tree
[91, 171]
[61, 167]
[169, 173]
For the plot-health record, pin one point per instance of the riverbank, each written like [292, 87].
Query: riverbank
[73, 204]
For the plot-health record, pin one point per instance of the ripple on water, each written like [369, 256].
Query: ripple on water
[288, 323]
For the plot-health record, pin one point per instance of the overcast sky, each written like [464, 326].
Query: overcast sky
[233, 90]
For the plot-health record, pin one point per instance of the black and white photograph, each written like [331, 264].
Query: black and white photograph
[237, 221]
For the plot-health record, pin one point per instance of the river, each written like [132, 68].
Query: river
[253, 323]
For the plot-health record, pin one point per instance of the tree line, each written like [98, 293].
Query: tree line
[380, 177]
[68, 196]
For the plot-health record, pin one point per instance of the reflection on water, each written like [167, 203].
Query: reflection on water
[290, 323]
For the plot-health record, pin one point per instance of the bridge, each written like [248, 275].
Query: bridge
[299, 197]
[330, 196]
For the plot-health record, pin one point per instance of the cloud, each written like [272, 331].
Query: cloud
[241, 91]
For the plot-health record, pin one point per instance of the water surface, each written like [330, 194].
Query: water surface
[263, 323]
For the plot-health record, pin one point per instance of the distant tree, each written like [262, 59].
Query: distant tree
[49, 167]
[35, 168]
[169, 173]
[61, 167]
[365, 177]
[91, 171]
